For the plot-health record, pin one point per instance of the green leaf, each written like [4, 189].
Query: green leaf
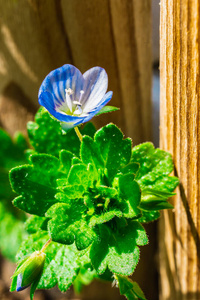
[11, 219]
[46, 135]
[165, 183]
[130, 168]
[129, 193]
[85, 276]
[68, 225]
[102, 204]
[105, 217]
[107, 109]
[72, 191]
[155, 200]
[66, 161]
[35, 223]
[12, 233]
[115, 151]
[155, 166]
[106, 192]
[36, 184]
[149, 216]
[89, 202]
[153, 174]
[11, 154]
[20, 142]
[80, 175]
[12, 151]
[90, 153]
[150, 158]
[34, 286]
[118, 250]
[151, 194]
[61, 264]
[129, 288]
[155, 205]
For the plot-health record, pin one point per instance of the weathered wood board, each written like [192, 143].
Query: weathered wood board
[180, 134]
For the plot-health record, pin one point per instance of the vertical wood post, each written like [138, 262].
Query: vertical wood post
[180, 135]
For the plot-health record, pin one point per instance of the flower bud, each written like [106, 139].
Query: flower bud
[28, 272]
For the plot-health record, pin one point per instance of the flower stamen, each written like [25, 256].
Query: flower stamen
[69, 91]
[78, 110]
[77, 103]
[81, 92]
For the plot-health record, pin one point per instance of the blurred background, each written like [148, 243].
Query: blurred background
[122, 36]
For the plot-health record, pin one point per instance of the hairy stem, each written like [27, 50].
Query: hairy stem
[78, 133]
[46, 245]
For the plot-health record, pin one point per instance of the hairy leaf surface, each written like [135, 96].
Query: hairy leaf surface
[118, 250]
[153, 174]
[46, 135]
[68, 225]
[36, 184]
[115, 150]
[130, 289]
[61, 263]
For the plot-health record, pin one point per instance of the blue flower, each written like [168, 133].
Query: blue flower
[74, 98]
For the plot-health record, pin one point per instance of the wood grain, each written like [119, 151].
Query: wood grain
[180, 135]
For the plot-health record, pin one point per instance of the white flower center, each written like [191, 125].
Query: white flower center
[69, 91]
[73, 105]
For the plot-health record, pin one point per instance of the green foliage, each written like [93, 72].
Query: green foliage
[107, 109]
[115, 151]
[72, 226]
[36, 183]
[129, 288]
[129, 193]
[90, 198]
[155, 166]
[83, 199]
[12, 232]
[154, 180]
[61, 264]
[11, 219]
[11, 155]
[85, 275]
[47, 136]
[35, 223]
[117, 248]
[153, 199]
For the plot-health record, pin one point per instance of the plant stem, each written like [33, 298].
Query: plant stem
[46, 245]
[78, 133]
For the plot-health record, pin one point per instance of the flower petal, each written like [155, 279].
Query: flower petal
[46, 100]
[19, 283]
[95, 87]
[57, 81]
[65, 92]
[102, 103]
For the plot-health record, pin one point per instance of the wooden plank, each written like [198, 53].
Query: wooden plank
[180, 134]
[122, 45]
